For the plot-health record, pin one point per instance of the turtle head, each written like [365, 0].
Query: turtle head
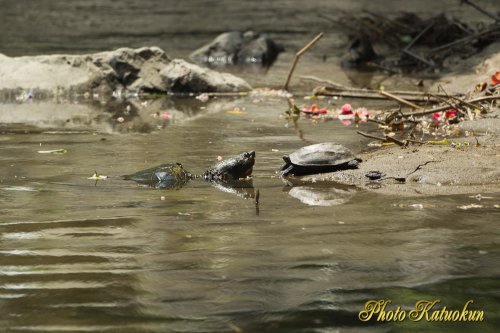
[287, 160]
[354, 163]
[241, 166]
[234, 168]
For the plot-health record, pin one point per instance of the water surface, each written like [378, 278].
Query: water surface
[112, 256]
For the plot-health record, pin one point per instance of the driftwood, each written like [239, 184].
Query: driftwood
[385, 138]
[480, 9]
[447, 107]
[464, 40]
[297, 57]
[336, 89]
[399, 100]
[421, 97]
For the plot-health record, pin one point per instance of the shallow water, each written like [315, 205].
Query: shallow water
[111, 256]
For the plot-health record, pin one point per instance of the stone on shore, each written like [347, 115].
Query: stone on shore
[182, 76]
[146, 69]
[238, 48]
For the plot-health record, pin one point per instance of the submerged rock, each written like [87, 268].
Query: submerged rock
[146, 69]
[237, 48]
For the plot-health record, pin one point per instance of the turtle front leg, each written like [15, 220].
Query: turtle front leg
[354, 164]
[285, 172]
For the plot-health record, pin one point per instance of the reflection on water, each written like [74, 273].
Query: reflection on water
[115, 256]
[322, 195]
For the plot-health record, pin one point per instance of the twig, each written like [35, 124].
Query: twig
[417, 37]
[461, 41]
[396, 141]
[372, 94]
[386, 138]
[429, 63]
[416, 141]
[484, 98]
[340, 87]
[399, 99]
[371, 120]
[485, 12]
[447, 107]
[366, 135]
[298, 55]
[465, 102]
[420, 166]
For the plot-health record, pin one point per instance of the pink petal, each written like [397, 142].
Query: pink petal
[346, 109]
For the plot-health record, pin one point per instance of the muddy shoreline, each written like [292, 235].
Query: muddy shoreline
[428, 170]
[469, 165]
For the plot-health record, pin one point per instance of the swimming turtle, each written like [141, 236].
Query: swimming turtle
[174, 174]
[318, 158]
[162, 176]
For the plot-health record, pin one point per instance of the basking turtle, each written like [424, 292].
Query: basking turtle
[174, 174]
[374, 175]
[318, 158]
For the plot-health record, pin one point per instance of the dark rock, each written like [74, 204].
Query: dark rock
[237, 48]
[360, 53]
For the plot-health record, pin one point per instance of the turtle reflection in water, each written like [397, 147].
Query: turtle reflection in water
[323, 195]
[319, 158]
[225, 173]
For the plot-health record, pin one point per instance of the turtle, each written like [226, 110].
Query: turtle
[318, 158]
[374, 175]
[173, 175]
[232, 169]
[162, 176]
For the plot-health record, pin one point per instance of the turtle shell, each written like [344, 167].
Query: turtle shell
[322, 154]
[161, 176]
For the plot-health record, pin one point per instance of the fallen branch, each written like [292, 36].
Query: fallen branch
[385, 139]
[447, 107]
[331, 86]
[366, 135]
[373, 94]
[462, 40]
[396, 141]
[429, 63]
[484, 11]
[417, 37]
[298, 55]
[420, 166]
[465, 102]
[399, 99]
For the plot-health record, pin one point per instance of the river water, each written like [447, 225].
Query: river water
[110, 256]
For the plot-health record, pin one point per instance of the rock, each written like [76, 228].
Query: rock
[102, 72]
[237, 48]
[181, 76]
[106, 73]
